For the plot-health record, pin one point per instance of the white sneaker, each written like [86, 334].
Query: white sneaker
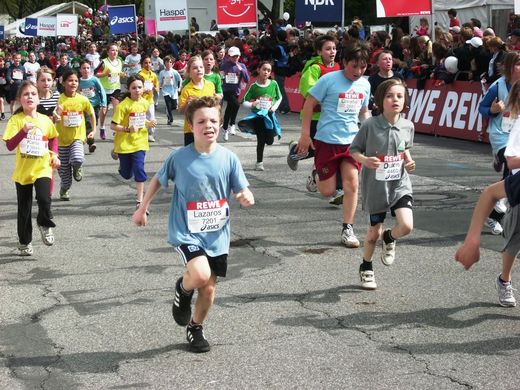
[226, 135]
[151, 138]
[506, 296]
[25, 250]
[349, 238]
[259, 166]
[501, 206]
[232, 130]
[388, 254]
[311, 185]
[368, 280]
[495, 226]
[337, 198]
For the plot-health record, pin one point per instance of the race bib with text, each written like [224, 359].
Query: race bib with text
[208, 216]
[391, 168]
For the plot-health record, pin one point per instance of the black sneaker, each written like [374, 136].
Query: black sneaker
[197, 341]
[2, 116]
[181, 308]
[77, 173]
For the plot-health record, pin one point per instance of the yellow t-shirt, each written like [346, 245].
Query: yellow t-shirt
[32, 153]
[130, 112]
[191, 90]
[72, 124]
[151, 82]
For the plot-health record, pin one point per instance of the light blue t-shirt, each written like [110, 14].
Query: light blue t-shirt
[170, 82]
[203, 185]
[341, 100]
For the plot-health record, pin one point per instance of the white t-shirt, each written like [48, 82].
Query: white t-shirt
[94, 60]
[30, 69]
[513, 143]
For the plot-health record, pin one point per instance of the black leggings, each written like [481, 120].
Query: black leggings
[230, 115]
[263, 137]
[24, 194]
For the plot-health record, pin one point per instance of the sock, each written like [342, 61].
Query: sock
[366, 266]
[346, 225]
[387, 236]
[502, 280]
[192, 324]
[184, 291]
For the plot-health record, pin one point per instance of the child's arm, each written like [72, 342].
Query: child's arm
[13, 142]
[140, 218]
[469, 252]
[409, 163]
[244, 196]
[53, 150]
[370, 162]
[305, 137]
[92, 115]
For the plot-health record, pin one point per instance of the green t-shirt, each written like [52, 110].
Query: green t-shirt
[268, 95]
[213, 77]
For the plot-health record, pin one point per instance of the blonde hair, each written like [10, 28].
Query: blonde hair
[513, 100]
[192, 60]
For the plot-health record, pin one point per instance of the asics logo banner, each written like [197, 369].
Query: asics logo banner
[120, 20]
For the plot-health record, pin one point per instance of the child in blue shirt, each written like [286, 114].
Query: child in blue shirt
[91, 88]
[204, 174]
[170, 83]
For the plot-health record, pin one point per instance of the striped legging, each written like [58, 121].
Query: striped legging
[70, 156]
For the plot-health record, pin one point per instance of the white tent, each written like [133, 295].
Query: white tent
[493, 13]
[73, 7]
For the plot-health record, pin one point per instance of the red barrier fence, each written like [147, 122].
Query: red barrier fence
[448, 110]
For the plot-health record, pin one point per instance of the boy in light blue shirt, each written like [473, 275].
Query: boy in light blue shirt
[170, 83]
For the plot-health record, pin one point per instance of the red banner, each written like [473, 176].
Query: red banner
[236, 13]
[392, 8]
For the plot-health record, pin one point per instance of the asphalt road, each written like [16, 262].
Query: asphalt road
[94, 310]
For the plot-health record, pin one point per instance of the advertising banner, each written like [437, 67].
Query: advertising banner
[31, 25]
[122, 19]
[2, 33]
[171, 15]
[46, 26]
[236, 13]
[67, 25]
[392, 8]
[319, 11]
[150, 27]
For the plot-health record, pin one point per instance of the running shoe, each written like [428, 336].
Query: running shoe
[501, 206]
[92, 148]
[506, 296]
[47, 235]
[348, 238]
[151, 138]
[196, 339]
[259, 166]
[495, 226]
[497, 164]
[311, 185]
[25, 250]
[2, 116]
[232, 130]
[102, 134]
[337, 198]
[368, 280]
[293, 157]
[64, 194]
[388, 253]
[181, 308]
[225, 134]
[77, 173]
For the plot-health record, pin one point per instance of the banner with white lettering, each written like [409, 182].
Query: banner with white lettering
[171, 15]
[46, 26]
[67, 25]
[394, 8]
[2, 33]
[318, 11]
[30, 26]
[122, 19]
[236, 13]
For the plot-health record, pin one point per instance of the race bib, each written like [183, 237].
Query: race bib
[231, 78]
[3, 81]
[137, 119]
[222, 75]
[507, 122]
[35, 144]
[208, 216]
[114, 78]
[264, 103]
[391, 168]
[349, 102]
[148, 85]
[17, 74]
[72, 118]
[88, 92]
[168, 80]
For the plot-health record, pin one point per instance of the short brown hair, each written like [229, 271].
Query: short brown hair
[383, 88]
[197, 104]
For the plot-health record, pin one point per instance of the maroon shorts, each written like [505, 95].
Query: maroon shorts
[328, 157]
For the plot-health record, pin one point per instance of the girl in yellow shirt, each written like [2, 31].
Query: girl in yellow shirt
[151, 85]
[34, 137]
[71, 109]
[131, 139]
[197, 87]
